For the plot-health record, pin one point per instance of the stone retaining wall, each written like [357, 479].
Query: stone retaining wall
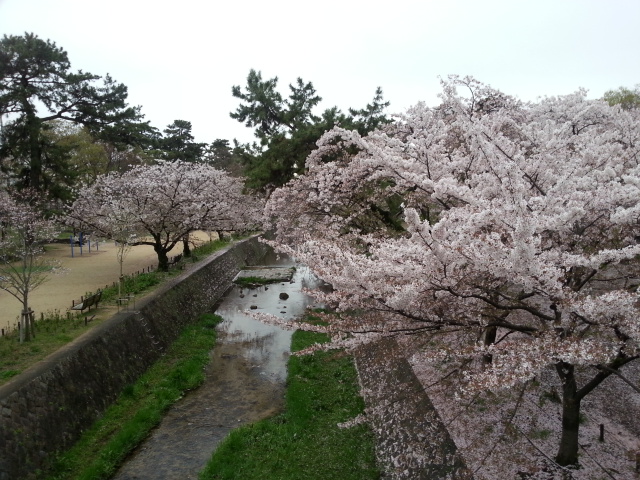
[45, 409]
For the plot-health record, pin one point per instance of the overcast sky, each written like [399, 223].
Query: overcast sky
[180, 59]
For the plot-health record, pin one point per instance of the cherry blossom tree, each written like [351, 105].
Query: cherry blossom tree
[162, 204]
[512, 228]
[22, 265]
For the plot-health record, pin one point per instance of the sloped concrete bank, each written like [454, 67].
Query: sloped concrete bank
[412, 441]
[45, 409]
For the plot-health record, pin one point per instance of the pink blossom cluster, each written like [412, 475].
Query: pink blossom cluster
[159, 204]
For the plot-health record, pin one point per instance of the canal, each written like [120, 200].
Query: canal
[244, 381]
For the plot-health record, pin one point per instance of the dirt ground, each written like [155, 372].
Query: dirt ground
[83, 273]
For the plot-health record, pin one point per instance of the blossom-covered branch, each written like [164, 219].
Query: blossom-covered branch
[501, 219]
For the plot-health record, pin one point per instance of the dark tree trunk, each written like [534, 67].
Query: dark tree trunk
[571, 398]
[489, 334]
[568, 450]
[25, 326]
[32, 323]
[186, 249]
[35, 154]
[163, 259]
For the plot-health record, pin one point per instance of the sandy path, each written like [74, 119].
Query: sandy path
[84, 273]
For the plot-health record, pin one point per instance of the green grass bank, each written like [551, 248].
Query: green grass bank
[304, 442]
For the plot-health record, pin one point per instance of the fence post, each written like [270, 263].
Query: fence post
[32, 321]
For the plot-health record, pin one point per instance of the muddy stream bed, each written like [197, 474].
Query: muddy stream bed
[244, 382]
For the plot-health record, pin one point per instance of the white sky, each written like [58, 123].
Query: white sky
[180, 59]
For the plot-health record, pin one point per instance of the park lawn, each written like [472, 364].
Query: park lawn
[305, 441]
[56, 329]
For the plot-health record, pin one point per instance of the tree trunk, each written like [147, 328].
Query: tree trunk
[568, 450]
[489, 334]
[35, 154]
[163, 260]
[25, 326]
[21, 328]
[32, 323]
[186, 249]
[24, 317]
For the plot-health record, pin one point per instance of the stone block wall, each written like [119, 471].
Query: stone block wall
[45, 409]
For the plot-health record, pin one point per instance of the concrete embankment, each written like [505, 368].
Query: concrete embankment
[412, 441]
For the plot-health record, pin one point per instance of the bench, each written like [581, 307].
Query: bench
[174, 260]
[88, 302]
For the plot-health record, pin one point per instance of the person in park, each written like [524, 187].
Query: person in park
[494, 235]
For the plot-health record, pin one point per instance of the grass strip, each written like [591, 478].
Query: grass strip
[143, 282]
[304, 442]
[140, 407]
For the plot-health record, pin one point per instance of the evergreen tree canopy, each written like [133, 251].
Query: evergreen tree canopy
[287, 128]
[221, 155]
[37, 86]
[178, 144]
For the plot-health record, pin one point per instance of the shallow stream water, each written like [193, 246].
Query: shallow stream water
[244, 382]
